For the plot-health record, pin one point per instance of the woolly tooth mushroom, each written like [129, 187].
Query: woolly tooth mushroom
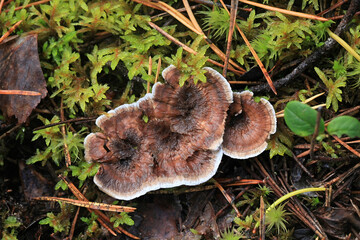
[248, 126]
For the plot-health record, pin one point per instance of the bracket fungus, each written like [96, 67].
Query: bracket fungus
[248, 126]
[181, 143]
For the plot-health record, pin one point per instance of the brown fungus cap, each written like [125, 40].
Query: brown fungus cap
[179, 144]
[196, 110]
[248, 126]
[122, 151]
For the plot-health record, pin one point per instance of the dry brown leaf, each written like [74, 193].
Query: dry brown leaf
[20, 70]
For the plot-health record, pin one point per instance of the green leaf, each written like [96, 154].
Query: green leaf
[344, 125]
[301, 119]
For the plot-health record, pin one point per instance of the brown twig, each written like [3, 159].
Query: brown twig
[87, 204]
[227, 197]
[336, 5]
[19, 92]
[63, 131]
[1, 5]
[316, 132]
[10, 131]
[341, 16]
[284, 11]
[302, 166]
[262, 219]
[29, 5]
[227, 205]
[76, 120]
[72, 230]
[158, 70]
[347, 112]
[149, 73]
[346, 146]
[233, 12]
[10, 31]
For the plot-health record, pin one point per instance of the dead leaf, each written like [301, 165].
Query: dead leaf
[337, 221]
[20, 70]
[160, 218]
[33, 183]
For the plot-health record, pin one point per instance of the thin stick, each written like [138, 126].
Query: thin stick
[63, 131]
[316, 132]
[86, 204]
[149, 73]
[346, 146]
[158, 70]
[177, 15]
[76, 120]
[72, 230]
[234, 6]
[1, 5]
[243, 82]
[227, 197]
[191, 15]
[347, 112]
[332, 7]
[173, 12]
[344, 44]
[284, 11]
[10, 131]
[262, 219]
[10, 31]
[19, 92]
[302, 166]
[29, 5]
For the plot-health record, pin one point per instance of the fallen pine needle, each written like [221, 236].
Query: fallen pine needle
[19, 92]
[30, 4]
[91, 205]
[284, 11]
[10, 31]
[346, 146]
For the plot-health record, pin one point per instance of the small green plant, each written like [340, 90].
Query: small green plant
[275, 217]
[230, 235]
[84, 170]
[93, 227]
[191, 65]
[280, 143]
[61, 221]
[122, 218]
[10, 226]
[334, 95]
[55, 141]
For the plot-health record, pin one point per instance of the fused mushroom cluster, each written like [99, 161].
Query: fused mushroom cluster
[186, 131]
